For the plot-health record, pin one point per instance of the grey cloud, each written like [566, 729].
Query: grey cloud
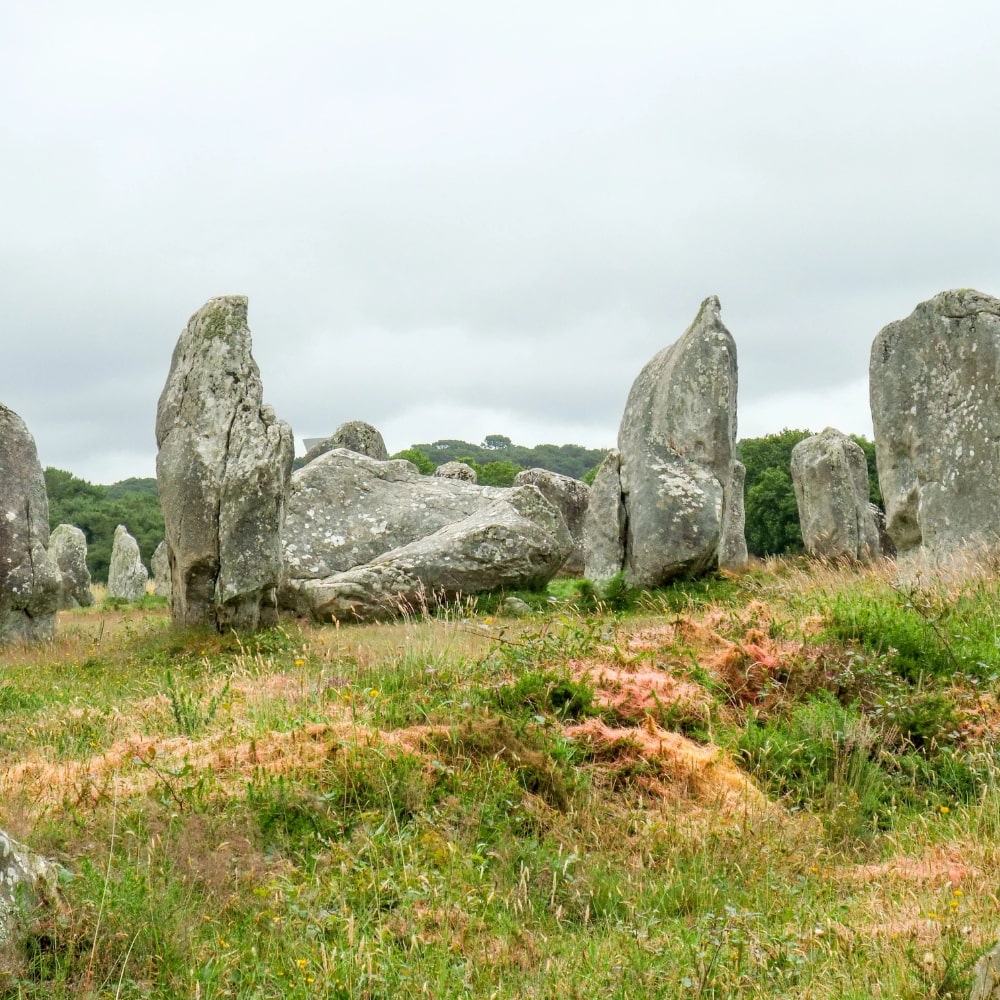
[504, 210]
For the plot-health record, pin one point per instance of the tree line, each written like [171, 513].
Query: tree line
[98, 510]
[772, 517]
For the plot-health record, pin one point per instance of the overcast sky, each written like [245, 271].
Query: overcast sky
[457, 219]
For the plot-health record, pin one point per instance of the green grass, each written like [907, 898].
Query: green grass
[409, 809]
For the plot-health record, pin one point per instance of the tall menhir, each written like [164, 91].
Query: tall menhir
[223, 469]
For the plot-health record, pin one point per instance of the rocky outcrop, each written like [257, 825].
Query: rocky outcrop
[127, 576]
[571, 498]
[356, 436]
[457, 470]
[830, 477]
[604, 525]
[68, 550]
[223, 470]
[679, 480]
[935, 399]
[159, 563]
[27, 881]
[30, 581]
[514, 540]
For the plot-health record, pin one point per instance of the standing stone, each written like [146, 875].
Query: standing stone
[223, 471]
[677, 442]
[127, 577]
[604, 525]
[457, 470]
[830, 477]
[935, 398]
[356, 436]
[160, 565]
[571, 498]
[68, 549]
[733, 552]
[29, 579]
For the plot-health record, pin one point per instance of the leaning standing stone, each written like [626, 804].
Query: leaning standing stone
[68, 549]
[830, 476]
[29, 579]
[223, 472]
[935, 397]
[127, 576]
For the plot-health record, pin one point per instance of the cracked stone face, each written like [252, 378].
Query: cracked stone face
[223, 470]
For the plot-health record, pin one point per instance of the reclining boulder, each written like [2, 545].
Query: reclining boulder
[364, 538]
[515, 541]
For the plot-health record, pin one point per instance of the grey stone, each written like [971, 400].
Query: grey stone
[986, 976]
[457, 470]
[830, 477]
[345, 509]
[30, 581]
[355, 436]
[515, 607]
[223, 470]
[733, 553]
[160, 565]
[512, 541]
[604, 524]
[677, 441]
[68, 549]
[935, 398]
[127, 576]
[571, 498]
[27, 881]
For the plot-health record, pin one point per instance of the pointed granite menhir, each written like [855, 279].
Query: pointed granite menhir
[223, 469]
[678, 498]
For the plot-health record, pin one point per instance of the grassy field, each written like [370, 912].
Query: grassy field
[778, 785]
